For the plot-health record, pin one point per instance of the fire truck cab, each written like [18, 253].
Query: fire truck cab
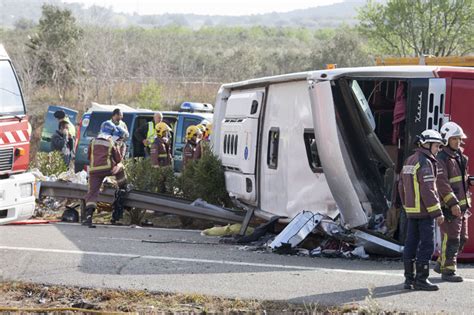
[17, 199]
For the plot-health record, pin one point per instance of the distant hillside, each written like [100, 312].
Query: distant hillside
[18, 12]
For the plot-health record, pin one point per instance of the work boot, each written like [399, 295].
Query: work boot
[88, 220]
[421, 279]
[451, 276]
[437, 267]
[409, 274]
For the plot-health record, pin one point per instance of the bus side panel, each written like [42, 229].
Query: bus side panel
[462, 113]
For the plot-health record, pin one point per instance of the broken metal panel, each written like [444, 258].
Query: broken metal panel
[144, 200]
[330, 153]
[378, 245]
[297, 230]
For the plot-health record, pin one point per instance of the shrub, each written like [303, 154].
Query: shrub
[143, 176]
[49, 164]
[205, 179]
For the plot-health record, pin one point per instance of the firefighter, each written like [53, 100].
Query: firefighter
[105, 160]
[419, 196]
[453, 186]
[146, 134]
[193, 133]
[200, 144]
[207, 133]
[160, 150]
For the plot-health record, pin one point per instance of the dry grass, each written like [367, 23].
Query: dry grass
[41, 298]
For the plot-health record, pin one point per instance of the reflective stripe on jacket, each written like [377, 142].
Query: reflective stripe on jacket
[417, 185]
[452, 181]
[103, 155]
[160, 152]
[188, 152]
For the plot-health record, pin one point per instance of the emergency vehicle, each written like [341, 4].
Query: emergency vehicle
[17, 200]
[190, 113]
[334, 141]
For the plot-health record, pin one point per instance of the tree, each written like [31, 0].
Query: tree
[150, 96]
[417, 27]
[24, 24]
[345, 47]
[55, 47]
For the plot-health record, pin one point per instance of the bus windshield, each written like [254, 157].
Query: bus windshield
[11, 102]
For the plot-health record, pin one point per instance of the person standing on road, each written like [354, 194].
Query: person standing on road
[105, 160]
[146, 134]
[419, 196]
[453, 186]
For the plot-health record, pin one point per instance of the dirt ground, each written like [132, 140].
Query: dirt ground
[24, 297]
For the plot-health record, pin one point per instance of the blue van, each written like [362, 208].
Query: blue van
[51, 125]
[134, 119]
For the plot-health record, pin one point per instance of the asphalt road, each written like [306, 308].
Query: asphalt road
[186, 262]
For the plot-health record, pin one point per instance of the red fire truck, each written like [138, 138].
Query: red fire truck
[17, 198]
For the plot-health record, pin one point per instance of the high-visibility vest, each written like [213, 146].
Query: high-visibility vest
[151, 133]
[70, 128]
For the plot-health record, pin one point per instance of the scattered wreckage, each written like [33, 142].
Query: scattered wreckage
[334, 239]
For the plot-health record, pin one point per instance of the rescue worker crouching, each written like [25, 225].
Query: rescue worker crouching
[105, 160]
[419, 196]
[160, 150]
[453, 186]
[193, 133]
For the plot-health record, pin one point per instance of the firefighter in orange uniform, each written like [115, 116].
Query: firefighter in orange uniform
[193, 133]
[453, 186]
[419, 196]
[160, 149]
[105, 160]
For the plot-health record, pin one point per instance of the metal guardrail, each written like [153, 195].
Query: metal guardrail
[145, 200]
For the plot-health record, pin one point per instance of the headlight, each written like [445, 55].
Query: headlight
[26, 190]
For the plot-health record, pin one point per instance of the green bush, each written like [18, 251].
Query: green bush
[150, 96]
[144, 177]
[49, 164]
[205, 179]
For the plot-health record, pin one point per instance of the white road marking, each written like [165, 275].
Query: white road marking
[208, 261]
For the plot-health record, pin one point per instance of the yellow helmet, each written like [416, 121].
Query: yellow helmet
[161, 129]
[192, 131]
[208, 131]
[201, 127]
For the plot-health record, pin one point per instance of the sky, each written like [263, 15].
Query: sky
[206, 7]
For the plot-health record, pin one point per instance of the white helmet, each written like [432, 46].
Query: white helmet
[430, 136]
[451, 129]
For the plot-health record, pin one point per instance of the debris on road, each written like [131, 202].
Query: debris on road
[227, 230]
[297, 230]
